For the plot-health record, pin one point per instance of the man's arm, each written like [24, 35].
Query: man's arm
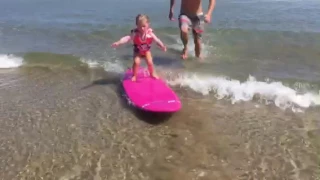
[171, 5]
[211, 6]
[171, 9]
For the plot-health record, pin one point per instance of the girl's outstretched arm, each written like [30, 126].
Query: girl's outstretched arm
[123, 40]
[159, 42]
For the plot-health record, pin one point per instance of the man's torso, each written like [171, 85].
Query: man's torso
[191, 7]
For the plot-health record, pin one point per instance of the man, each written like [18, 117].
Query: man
[191, 16]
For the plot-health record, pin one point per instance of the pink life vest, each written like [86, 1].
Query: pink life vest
[141, 46]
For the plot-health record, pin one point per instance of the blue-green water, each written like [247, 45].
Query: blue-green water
[276, 40]
[254, 97]
[241, 32]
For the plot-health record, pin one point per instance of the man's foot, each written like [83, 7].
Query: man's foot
[154, 75]
[184, 54]
[199, 57]
[134, 78]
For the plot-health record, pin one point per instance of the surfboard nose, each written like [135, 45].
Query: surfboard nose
[163, 106]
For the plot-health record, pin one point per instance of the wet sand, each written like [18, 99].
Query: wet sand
[74, 124]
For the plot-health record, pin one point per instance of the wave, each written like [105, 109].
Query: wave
[275, 93]
[40, 59]
[10, 61]
[234, 90]
[270, 92]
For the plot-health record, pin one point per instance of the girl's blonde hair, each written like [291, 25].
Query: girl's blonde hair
[142, 17]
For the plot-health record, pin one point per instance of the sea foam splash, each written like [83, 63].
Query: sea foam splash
[10, 61]
[114, 66]
[275, 92]
[270, 92]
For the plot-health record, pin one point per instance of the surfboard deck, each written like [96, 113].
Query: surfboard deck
[150, 94]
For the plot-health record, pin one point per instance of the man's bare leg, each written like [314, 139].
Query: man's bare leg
[197, 44]
[184, 39]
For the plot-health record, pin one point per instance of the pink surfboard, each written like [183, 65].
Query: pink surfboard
[150, 94]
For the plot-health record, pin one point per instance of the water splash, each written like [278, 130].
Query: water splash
[275, 92]
[10, 61]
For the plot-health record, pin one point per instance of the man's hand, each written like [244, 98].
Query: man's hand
[207, 18]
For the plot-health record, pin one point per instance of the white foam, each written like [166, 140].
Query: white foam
[114, 66]
[10, 61]
[110, 66]
[271, 92]
[91, 63]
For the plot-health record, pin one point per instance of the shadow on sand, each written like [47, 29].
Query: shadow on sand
[148, 117]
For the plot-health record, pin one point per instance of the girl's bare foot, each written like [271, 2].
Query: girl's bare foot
[154, 75]
[184, 54]
[134, 78]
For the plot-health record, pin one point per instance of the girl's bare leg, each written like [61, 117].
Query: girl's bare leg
[150, 65]
[135, 66]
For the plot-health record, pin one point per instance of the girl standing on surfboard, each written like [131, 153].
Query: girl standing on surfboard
[142, 37]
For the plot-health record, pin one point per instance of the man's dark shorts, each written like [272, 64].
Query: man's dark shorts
[196, 23]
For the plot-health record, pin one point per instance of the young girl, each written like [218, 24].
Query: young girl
[142, 37]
